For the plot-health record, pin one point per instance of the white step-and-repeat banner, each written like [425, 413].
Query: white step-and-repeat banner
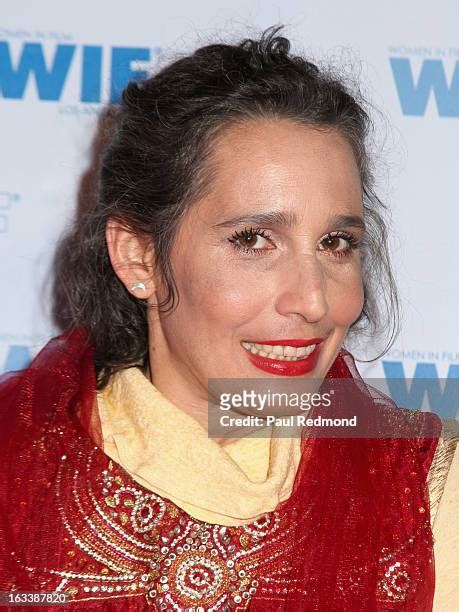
[59, 63]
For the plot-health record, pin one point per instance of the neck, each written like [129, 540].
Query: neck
[199, 408]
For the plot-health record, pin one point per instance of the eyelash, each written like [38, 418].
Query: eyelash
[248, 233]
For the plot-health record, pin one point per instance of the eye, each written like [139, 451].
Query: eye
[339, 244]
[251, 241]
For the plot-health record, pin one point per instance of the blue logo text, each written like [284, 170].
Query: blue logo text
[414, 93]
[50, 79]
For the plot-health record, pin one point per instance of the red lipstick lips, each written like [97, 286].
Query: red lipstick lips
[286, 368]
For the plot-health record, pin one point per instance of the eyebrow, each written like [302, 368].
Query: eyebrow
[289, 220]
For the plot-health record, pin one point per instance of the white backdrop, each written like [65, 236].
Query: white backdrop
[57, 64]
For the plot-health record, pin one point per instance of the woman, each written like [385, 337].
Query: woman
[236, 235]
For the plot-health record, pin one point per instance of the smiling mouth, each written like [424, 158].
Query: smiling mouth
[278, 352]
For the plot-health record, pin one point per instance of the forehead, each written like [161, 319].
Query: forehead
[285, 164]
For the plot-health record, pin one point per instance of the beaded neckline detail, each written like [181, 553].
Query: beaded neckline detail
[120, 541]
[140, 544]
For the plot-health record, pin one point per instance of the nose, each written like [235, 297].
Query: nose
[302, 290]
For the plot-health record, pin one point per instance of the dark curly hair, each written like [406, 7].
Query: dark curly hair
[156, 165]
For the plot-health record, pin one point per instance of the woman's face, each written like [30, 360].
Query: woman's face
[267, 265]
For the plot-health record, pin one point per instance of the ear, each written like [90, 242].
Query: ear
[132, 259]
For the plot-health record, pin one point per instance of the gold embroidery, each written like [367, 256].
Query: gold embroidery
[141, 545]
[188, 563]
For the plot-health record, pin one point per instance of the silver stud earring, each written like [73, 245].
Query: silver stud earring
[139, 286]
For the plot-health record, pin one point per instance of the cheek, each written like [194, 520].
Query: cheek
[214, 296]
[346, 298]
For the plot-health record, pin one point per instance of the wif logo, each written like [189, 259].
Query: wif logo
[442, 394]
[415, 90]
[51, 76]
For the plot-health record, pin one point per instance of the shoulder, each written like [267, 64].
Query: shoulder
[443, 486]
[445, 466]
[439, 450]
[60, 376]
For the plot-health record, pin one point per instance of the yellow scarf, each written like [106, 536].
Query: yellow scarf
[168, 452]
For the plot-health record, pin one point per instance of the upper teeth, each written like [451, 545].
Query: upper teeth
[283, 353]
